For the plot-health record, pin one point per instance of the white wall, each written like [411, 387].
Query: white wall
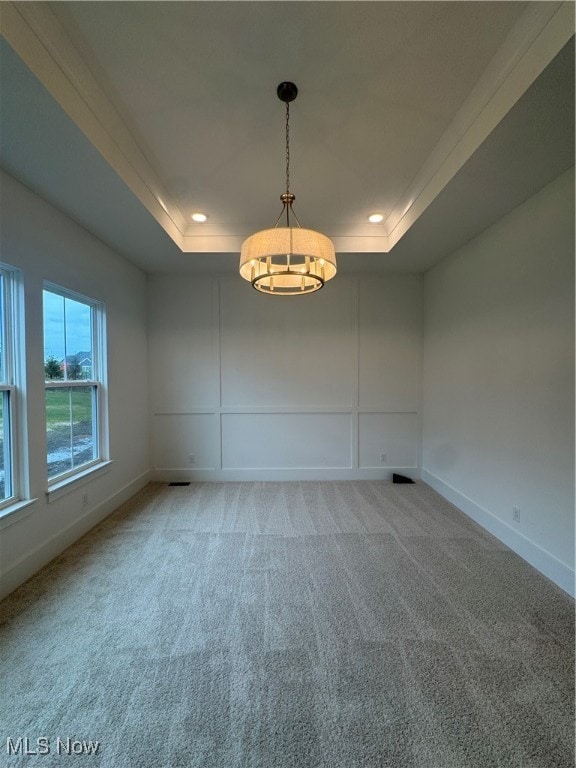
[260, 387]
[320, 387]
[46, 245]
[499, 379]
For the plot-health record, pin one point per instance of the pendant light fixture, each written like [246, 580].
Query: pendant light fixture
[287, 260]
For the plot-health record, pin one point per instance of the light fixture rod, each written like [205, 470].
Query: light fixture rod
[288, 148]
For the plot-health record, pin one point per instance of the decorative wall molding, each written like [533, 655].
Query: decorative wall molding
[285, 388]
[214, 441]
[186, 474]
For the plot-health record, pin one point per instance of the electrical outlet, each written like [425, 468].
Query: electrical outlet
[516, 514]
[84, 500]
[191, 458]
[383, 458]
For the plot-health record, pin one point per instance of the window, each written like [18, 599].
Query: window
[9, 474]
[74, 376]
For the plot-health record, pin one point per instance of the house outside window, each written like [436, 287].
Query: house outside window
[74, 368]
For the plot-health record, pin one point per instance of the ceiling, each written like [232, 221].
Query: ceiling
[441, 116]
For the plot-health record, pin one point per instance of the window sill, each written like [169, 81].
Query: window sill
[59, 489]
[15, 512]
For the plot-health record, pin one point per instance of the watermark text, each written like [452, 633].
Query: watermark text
[23, 745]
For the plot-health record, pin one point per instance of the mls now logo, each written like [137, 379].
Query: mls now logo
[43, 746]
[72, 747]
[26, 746]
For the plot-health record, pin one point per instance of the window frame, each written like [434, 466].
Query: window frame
[97, 383]
[11, 386]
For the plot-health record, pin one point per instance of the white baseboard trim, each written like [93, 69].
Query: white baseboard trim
[333, 474]
[33, 561]
[537, 557]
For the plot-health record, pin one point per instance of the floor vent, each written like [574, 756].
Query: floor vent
[401, 479]
[178, 483]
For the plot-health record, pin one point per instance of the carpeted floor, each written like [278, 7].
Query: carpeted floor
[288, 625]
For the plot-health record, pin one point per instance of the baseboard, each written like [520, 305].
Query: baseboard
[543, 561]
[332, 474]
[41, 555]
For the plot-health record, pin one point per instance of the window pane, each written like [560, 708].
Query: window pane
[5, 473]
[2, 336]
[58, 441]
[10, 478]
[83, 437]
[70, 432]
[54, 347]
[67, 338]
[78, 319]
[2, 461]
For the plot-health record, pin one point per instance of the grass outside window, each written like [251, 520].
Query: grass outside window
[70, 428]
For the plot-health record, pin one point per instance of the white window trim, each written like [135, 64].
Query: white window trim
[85, 474]
[14, 352]
[65, 482]
[10, 456]
[15, 512]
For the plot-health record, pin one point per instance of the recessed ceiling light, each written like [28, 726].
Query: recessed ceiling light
[199, 217]
[375, 218]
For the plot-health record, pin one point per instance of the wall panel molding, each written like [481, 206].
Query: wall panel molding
[186, 474]
[269, 389]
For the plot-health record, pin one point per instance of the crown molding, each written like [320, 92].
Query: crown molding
[536, 38]
[37, 37]
[40, 41]
[233, 243]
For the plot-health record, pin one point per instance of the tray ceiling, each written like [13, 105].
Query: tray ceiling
[130, 116]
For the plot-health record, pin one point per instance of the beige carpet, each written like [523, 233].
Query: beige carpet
[288, 625]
